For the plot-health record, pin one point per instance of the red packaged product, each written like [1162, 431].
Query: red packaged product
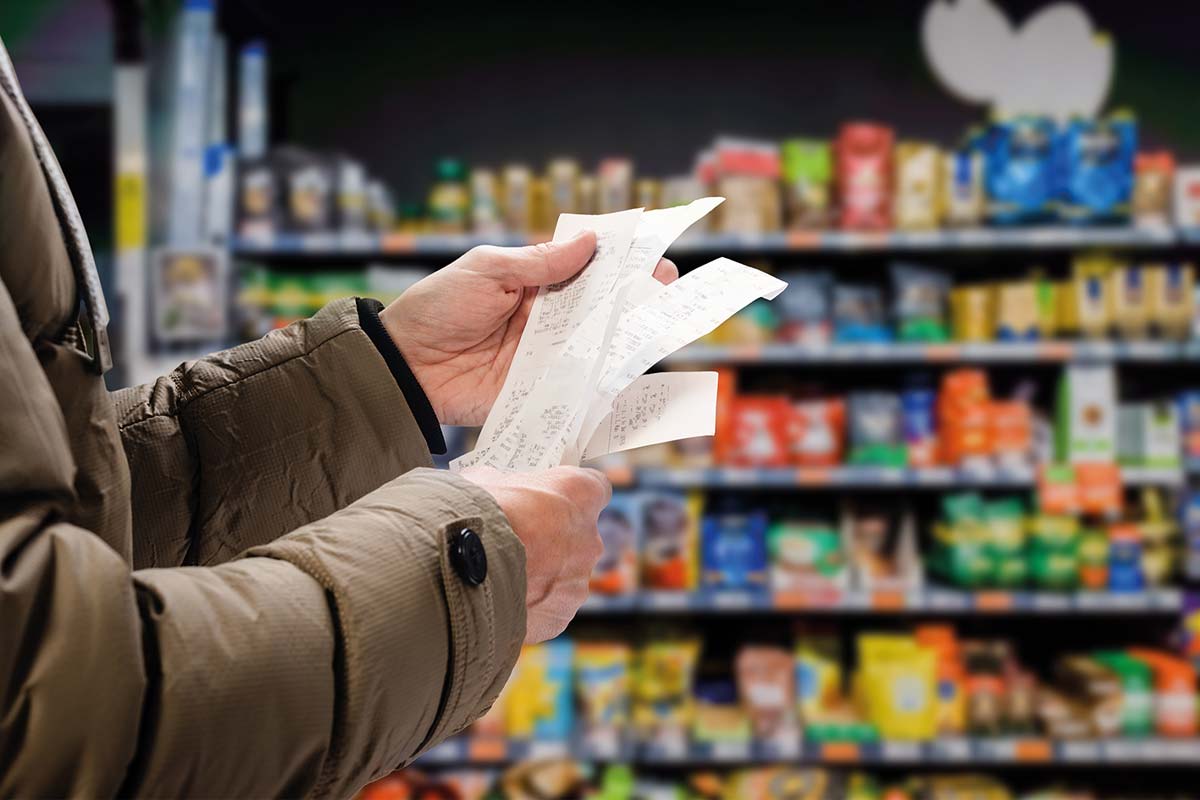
[759, 432]
[817, 432]
[864, 176]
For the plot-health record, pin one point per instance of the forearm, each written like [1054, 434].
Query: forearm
[238, 448]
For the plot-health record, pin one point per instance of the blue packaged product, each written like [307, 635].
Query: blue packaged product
[734, 550]
[920, 433]
[1190, 513]
[1019, 170]
[1189, 422]
[1095, 160]
[1125, 560]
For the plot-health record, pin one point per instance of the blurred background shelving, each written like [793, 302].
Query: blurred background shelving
[897, 469]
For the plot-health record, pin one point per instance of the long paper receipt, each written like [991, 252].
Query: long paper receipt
[576, 389]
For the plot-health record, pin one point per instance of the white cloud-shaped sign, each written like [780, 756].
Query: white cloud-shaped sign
[1054, 64]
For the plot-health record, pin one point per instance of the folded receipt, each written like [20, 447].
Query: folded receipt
[576, 389]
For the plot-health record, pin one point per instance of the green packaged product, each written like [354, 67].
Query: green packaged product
[1010, 571]
[1005, 524]
[1054, 532]
[807, 175]
[962, 507]
[1137, 692]
[961, 555]
[1054, 569]
[804, 555]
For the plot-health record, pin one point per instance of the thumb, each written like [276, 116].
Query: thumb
[550, 262]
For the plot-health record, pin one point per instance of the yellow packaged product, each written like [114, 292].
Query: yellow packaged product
[1017, 310]
[783, 783]
[563, 175]
[540, 219]
[971, 314]
[897, 684]
[662, 699]
[1131, 304]
[647, 194]
[1171, 288]
[589, 202]
[915, 203]
[818, 676]
[1091, 294]
[518, 200]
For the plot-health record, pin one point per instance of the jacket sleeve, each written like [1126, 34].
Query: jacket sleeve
[240, 447]
[306, 666]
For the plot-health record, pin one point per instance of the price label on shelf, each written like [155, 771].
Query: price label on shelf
[1080, 752]
[950, 749]
[840, 752]
[731, 751]
[1050, 601]
[546, 750]
[901, 752]
[732, 600]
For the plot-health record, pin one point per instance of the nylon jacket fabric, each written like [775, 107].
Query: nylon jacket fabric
[235, 581]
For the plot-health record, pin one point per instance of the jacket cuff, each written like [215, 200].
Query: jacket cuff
[422, 653]
[418, 402]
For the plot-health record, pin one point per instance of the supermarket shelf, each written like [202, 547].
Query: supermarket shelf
[924, 600]
[913, 352]
[973, 751]
[869, 477]
[333, 244]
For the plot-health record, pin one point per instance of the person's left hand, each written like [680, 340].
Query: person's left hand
[458, 328]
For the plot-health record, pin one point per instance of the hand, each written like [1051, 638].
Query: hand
[554, 514]
[458, 328]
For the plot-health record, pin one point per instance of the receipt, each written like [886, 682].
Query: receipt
[689, 308]
[559, 310]
[657, 408]
[658, 229]
[576, 388]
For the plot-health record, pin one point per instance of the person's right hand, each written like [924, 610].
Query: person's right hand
[554, 514]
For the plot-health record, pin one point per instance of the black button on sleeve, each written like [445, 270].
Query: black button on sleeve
[468, 556]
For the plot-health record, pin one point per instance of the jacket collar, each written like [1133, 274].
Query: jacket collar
[78, 247]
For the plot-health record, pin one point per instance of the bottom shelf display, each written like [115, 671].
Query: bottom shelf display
[951, 751]
[570, 780]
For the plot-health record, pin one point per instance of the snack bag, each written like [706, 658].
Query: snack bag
[806, 308]
[1019, 170]
[1097, 162]
[734, 551]
[864, 176]
[805, 557]
[919, 303]
[539, 700]
[897, 681]
[858, 314]
[1171, 291]
[918, 178]
[1152, 175]
[766, 682]
[759, 432]
[662, 700]
[962, 179]
[670, 530]
[876, 429]
[818, 674]
[619, 525]
[603, 686]
[920, 432]
[1187, 197]
[807, 174]
[816, 432]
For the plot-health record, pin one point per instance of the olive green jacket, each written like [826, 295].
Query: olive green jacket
[216, 585]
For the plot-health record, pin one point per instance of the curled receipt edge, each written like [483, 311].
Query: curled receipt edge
[576, 389]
